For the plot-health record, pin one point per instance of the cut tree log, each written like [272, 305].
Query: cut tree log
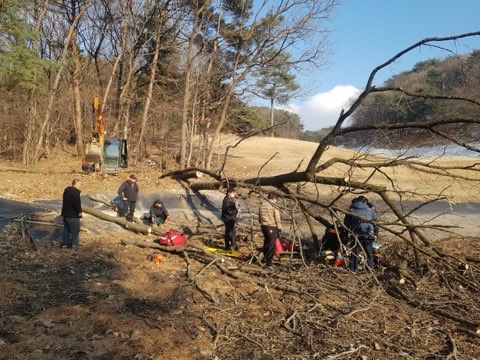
[139, 228]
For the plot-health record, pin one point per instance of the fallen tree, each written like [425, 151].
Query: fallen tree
[376, 179]
[139, 228]
[373, 176]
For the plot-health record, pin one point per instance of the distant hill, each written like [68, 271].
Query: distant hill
[453, 76]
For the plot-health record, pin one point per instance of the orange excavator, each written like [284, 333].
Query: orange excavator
[103, 153]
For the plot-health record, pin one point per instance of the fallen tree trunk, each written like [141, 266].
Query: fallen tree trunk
[205, 186]
[30, 171]
[472, 259]
[102, 202]
[139, 228]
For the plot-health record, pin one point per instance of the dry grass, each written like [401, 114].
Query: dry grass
[251, 154]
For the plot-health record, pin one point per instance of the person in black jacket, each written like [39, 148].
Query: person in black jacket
[71, 212]
[158, 213]
[229, 217]
[128, 192]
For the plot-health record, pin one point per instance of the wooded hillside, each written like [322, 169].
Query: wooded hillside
[176, 67]
[455, 76]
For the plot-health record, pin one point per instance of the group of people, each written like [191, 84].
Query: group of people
[269, 218]
[125, 204]
[359, 229]
[127, 200]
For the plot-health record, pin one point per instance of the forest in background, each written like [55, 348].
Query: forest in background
[180, 70]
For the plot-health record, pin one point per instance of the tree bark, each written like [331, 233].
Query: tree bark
[76, 72]
[272, 120]
[120, 55]
[139, 228]
[153, 71]
[187, 86]
[56, 83]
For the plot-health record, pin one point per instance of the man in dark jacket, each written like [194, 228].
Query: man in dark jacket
[128, 192]
[158, 213]
[361, 226]
[71, 212]
[229, 217]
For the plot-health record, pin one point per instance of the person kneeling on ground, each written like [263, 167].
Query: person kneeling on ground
[334, 238]
[361, 226]
[158, 213]
[229, 217]
[72, 213]
[271, 226]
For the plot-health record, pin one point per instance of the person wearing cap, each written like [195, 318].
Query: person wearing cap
[271, 226]
[128, 192]
[229, 217]
[158, 213]
[71, 213]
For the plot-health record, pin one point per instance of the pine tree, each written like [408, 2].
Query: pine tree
[277, 84]
[19, 64]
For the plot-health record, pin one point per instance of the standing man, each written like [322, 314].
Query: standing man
[271, 226]
[128, 192]
[72, 213]
[361, 226]
[229, 217]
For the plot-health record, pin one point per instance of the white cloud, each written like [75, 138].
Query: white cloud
[322, 109]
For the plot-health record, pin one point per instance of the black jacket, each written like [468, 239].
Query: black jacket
[72, 205]
[129, 191]
[160, 212]
[229, 209]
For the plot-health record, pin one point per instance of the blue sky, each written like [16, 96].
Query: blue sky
[365, 33]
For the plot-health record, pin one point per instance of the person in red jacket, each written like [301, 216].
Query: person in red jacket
[72, 213]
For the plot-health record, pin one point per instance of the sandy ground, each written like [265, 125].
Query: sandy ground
[251, 154]
[245, 160]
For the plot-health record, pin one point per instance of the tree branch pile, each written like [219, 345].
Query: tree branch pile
[322, 312]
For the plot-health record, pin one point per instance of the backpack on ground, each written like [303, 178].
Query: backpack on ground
[172, 238]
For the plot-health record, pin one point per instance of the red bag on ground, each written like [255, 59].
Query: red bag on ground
[286, 246]
[278, 246]
[172, 238]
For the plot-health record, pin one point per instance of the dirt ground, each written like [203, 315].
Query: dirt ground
[245, 160]
[108, 301]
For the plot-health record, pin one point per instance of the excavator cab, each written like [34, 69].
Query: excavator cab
[115, 154]
[106, 154]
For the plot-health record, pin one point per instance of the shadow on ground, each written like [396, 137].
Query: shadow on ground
[92, 303]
